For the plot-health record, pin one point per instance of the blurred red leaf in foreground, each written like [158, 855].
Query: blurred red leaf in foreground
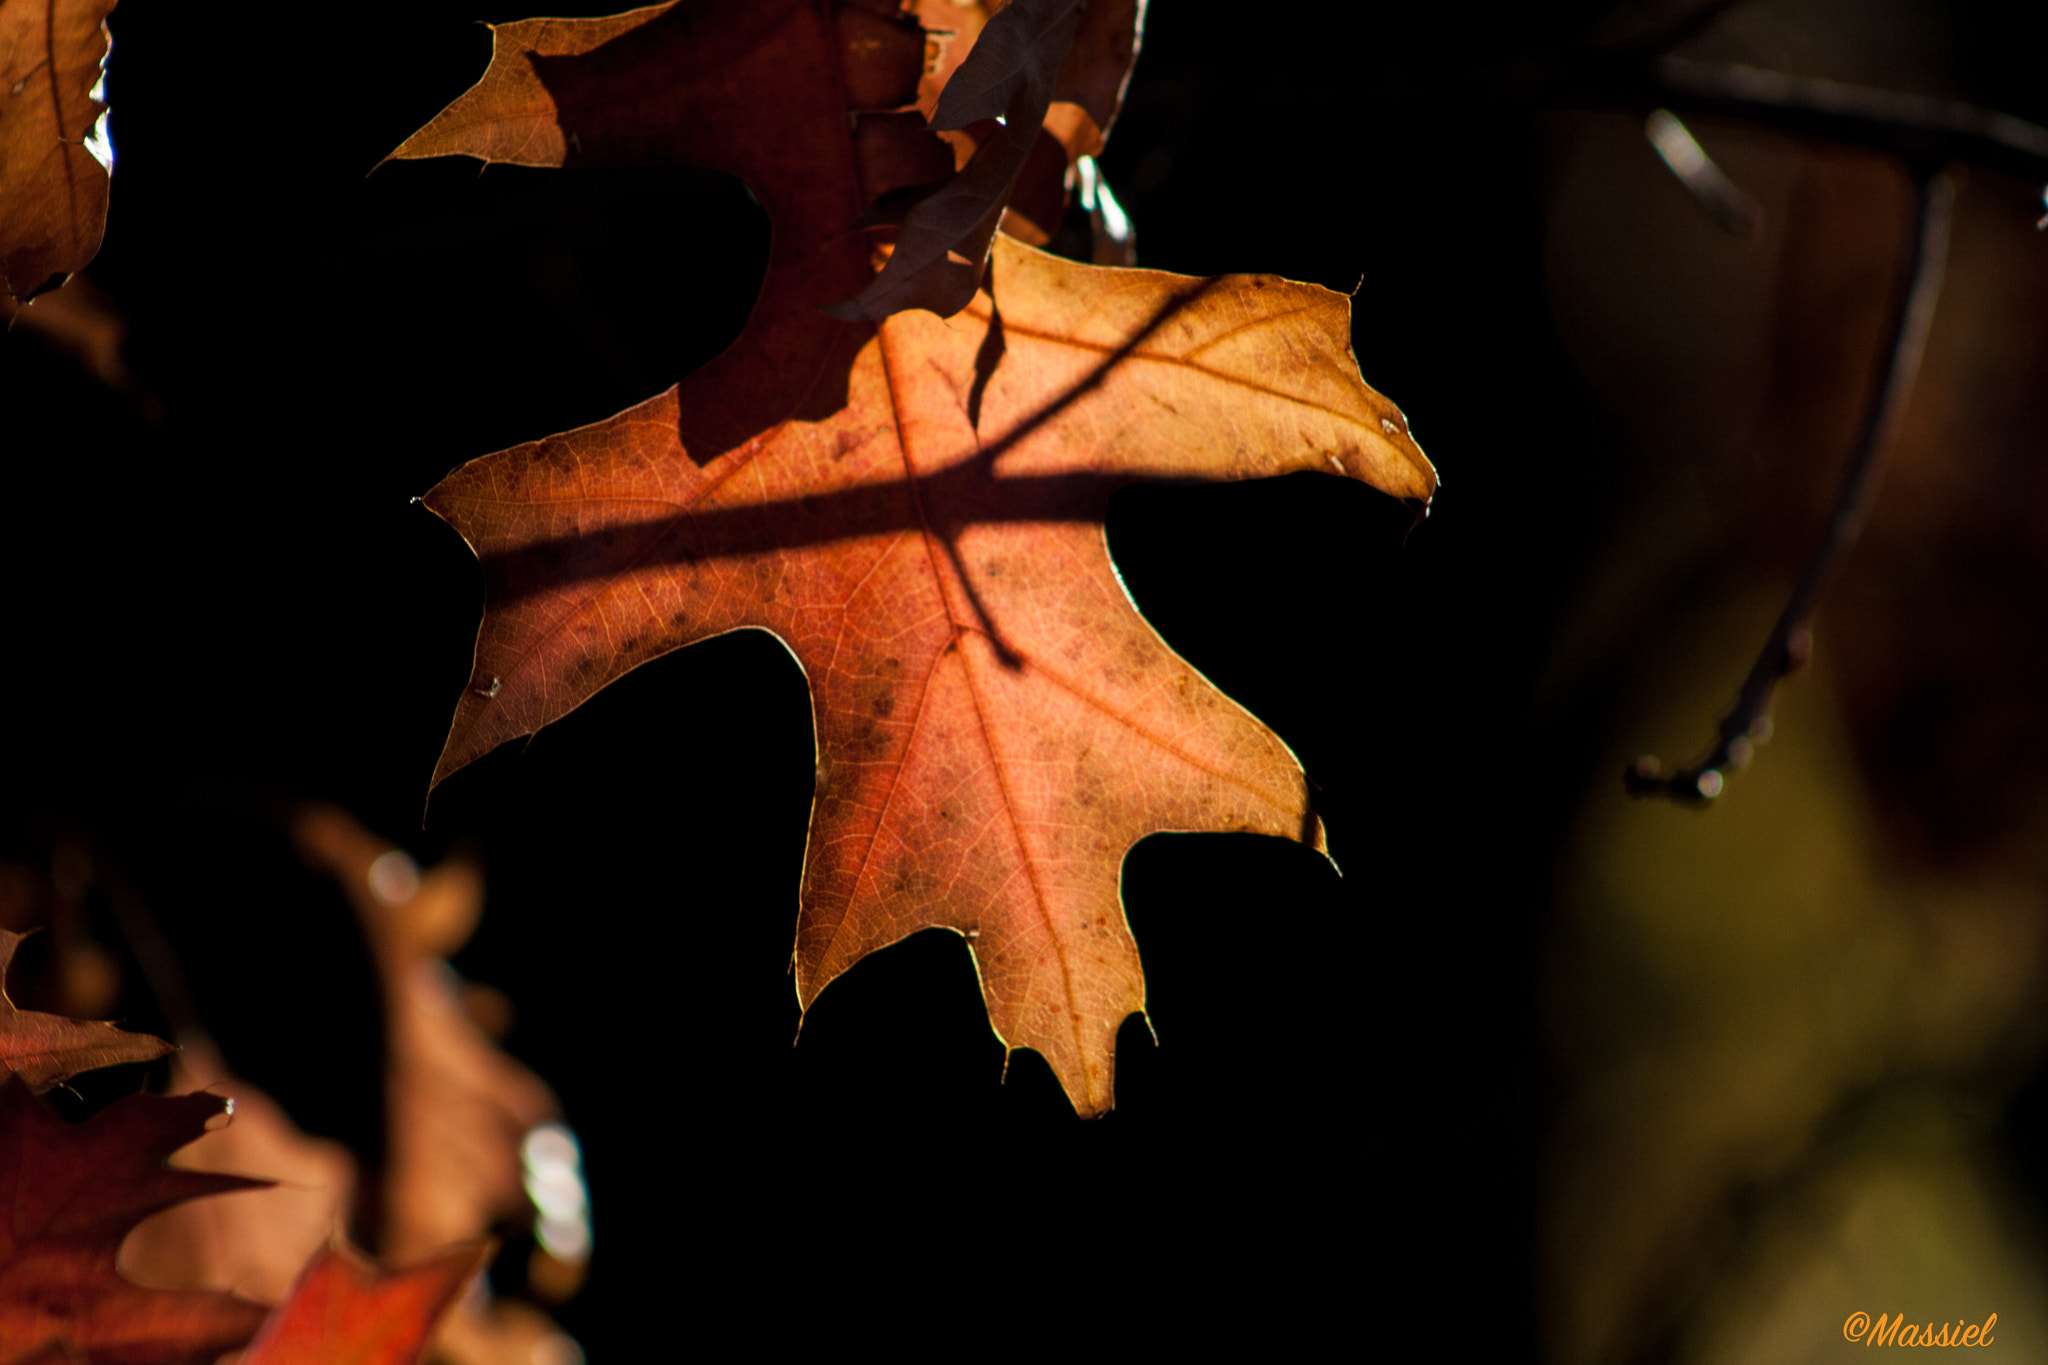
[53, 159]
[343, 1311]
[913, 506]
[107, 1256]
[70, 1193]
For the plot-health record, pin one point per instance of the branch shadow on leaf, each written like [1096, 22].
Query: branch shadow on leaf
[929, 501]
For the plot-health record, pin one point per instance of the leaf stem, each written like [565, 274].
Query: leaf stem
[1790, 640]
[1927, 132]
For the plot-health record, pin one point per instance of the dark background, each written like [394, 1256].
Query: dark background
[220, 597]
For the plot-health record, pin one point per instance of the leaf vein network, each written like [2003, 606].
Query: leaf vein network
[995, 764]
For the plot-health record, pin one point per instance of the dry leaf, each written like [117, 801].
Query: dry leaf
[501, 1332]
[70, 1194]
[915, 508]
[54, 154]
[943, 232]
[44, 1049]
[458, 1108]
[253, 1242]
[1097, 71]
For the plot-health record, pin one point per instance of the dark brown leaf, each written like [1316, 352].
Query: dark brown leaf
[943, 233]
[69, 1194]
[54, 156]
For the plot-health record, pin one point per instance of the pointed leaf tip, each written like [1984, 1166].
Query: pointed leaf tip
[344, 1311]
[47, 1049]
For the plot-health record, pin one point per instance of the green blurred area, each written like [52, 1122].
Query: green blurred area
[1789, 1057]
[1797, 1034]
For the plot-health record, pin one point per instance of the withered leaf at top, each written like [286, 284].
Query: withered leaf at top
[751, 87]
[1024, 46]
[1043, 81]
[44, 1049]
[53, 169]
[915, 508]
[1028, 41]
[70, 1193]
[943, 233]
[1098, 67]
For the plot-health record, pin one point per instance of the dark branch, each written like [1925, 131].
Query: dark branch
[1926, 132]
[1708, 184]
[1636, 74]
[972, 491]
[1748, 724]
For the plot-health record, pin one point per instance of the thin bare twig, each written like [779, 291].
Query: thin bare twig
[1748, 723]
[1638, 73]
[1928, 132]
[1706, 182]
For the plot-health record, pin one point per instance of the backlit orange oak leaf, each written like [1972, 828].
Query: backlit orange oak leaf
[915, 509]
[344, 1311]
[44, 1049]
[68, 1195]
[54, 156]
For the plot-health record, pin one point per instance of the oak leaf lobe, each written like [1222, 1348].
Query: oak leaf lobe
[69, 1194]
[44, 1049]
[344, 1311]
